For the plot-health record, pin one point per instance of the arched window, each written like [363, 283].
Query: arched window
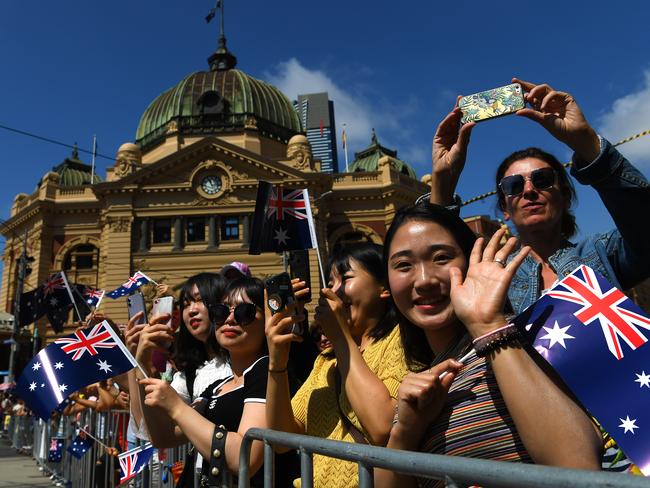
[81, 264]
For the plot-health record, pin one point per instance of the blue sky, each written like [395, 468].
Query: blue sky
[77, 68]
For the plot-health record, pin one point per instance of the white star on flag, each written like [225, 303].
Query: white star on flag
[32, 386]
[628, 424]
[42, 385]
[63, 388]
[643, 379]
[104, 366]
[53, 301]
[557, 335]
[36, 366]
[281, 236]
[58, 365]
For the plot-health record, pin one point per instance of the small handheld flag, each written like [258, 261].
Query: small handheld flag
[129, 286]
[282, 220]
[56, 449]
[80, 446]
[70, 363]
[594, 336]
[134, 461]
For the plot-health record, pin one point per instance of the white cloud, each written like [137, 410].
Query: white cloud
[353, 107]
[630, 115]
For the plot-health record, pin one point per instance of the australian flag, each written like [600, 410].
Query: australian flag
[80, 446]
[134, 460]
[282, 220]
[596, 339]
[70, 363]
[53, 298]
[128, 287]
[56, 449]
[90, 295]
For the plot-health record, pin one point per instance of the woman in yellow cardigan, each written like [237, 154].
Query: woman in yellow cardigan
[350, 393]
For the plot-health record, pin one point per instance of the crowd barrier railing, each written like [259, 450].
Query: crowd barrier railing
[456, 471]
[95, 468]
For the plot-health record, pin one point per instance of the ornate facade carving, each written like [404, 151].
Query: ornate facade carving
[119, 224]
[128, 159]
[299, 153]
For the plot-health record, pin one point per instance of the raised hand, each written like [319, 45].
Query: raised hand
[332, 316]
[479, 298]
[450, 144]
[421, 397]
[154, 336]
[559, 114]
[132, 333]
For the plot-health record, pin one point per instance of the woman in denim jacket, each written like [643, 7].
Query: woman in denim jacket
[535, 193]
[538, 202]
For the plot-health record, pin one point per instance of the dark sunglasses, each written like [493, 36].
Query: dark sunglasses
[244, 313]
[542, 179]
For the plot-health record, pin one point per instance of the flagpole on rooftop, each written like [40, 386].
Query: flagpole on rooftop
[345, 147]
[92, 164]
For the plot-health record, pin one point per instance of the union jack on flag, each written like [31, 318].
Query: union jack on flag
[54, 282]
[604, 306]
[582, 326]
[79, 343]
[283, 202]
[134, 461]
[92, 295]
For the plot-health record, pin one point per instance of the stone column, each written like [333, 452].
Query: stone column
[144, 236]
[178, 234]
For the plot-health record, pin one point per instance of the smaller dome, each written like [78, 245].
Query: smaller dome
[368, 159]
[74, 172]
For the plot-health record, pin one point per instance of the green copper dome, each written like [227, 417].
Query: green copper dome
[368, 159]
[74, 172]
[219, 100]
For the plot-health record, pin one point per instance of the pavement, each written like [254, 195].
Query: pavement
[19, 470]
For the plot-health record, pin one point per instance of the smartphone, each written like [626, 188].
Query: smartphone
[279, 292]
[492, 103]
[299, 268]
[135, 304]
[163, 305]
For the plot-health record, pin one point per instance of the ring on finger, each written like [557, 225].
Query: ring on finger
[500, 261]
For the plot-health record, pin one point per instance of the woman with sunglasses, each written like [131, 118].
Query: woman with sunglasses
[473, 382]
[216, 423]
[350, 393]
[535, 193]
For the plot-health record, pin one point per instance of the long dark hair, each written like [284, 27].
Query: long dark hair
[370, 257]
[416, 347]
[189, 352]
[568, 224]
[254, 289]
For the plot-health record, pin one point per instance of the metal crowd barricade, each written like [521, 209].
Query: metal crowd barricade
[456, 471]
[95, 468]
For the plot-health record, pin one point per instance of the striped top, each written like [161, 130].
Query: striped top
[474, 421]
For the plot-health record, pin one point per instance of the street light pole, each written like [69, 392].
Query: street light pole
[20, 282]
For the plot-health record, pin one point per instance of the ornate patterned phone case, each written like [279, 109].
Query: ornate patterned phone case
[492, 103]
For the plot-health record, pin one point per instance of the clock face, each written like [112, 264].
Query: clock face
[211, 184]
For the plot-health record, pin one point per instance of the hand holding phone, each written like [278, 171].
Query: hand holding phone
[279, 295]
[163, 305]
[135, 303]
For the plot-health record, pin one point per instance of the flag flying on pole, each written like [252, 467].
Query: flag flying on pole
[212, 12]
[128, 287]
[282, 220]
[91, 296]
[80, 446]
[595, 337]
[134, 460]
[56, 449]
[70, 363]
[52, 298]
[344, 139]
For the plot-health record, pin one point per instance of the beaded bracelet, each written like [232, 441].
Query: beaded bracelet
[495, 339]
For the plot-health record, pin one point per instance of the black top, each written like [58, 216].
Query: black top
[227, 409]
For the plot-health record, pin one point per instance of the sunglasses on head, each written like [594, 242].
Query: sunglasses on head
[513, 185]
[244, 313]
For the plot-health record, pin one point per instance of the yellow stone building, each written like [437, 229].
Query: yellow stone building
[180, 199]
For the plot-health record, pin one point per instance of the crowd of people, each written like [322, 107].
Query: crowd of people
[411, 342]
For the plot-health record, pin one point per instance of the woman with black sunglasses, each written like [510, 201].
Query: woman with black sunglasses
[216, 423]
[535, 193]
